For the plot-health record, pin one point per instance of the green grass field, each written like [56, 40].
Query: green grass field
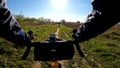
[11, 53]
[102, 51]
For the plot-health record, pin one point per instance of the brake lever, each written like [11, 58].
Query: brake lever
[79, 50]
[26, 53]
[77, 44]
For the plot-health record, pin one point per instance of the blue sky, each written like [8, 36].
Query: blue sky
[70, 10]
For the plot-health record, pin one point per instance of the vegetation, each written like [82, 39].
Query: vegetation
[10, 53]
[102, 51]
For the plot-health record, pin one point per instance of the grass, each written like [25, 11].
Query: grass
[10, 53]
[102, 51]
[65, 31]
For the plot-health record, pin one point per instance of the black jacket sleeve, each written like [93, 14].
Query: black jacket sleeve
[10, 29]
[104, 15]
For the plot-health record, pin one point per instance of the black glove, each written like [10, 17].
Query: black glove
[30, 34]
[9, 27]
[25, 37]
[76, 36]
[20, 37]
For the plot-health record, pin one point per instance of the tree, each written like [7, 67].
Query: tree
[78, 22]
[63, 21]
[42, 19]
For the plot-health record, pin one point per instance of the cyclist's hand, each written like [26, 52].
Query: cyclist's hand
[76, 36]
[30, 34]
[24, 38]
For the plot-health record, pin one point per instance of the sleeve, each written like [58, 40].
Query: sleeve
[10, 29]
[99, 20]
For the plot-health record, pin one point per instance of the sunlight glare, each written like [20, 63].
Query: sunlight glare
[59, 4]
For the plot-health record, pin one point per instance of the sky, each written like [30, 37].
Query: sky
[56, 10]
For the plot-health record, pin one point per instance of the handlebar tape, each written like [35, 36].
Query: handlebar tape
[26, 52]
[79, 50]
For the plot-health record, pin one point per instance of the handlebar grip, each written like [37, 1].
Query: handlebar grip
[26, 52]
[31, 37]
[79, 50]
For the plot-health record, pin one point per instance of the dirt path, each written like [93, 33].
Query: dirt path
[62, 62]
[36, 64]
[57, 32]
[84, 61]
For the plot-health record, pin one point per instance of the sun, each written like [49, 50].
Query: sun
[59, 3]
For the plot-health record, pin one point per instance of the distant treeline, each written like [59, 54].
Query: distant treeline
[21, 18]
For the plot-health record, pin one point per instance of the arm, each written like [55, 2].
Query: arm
[9, 27]
[103, 16]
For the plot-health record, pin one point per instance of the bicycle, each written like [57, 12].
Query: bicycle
[53, 50]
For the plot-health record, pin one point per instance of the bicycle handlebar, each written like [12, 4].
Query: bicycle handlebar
[53, 49]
